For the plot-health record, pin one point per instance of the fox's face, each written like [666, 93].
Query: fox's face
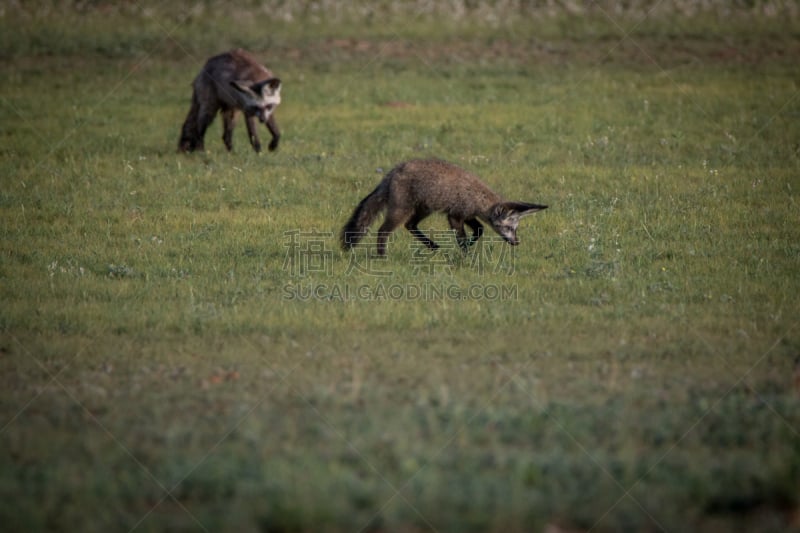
[505, 218]
[259, 99]
[507, 229]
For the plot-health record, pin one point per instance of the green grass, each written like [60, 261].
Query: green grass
[171, 359]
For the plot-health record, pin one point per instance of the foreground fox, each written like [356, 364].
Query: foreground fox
[415, 189]
[229, 82]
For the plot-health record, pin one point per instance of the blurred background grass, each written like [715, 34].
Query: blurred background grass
[119, 29]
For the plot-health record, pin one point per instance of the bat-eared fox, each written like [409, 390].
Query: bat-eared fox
[231, 82]
[415, 189]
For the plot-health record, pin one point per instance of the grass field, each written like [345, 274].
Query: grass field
[184, 347]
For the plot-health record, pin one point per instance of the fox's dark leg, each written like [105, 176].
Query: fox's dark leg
[411, 226]
[188, 140]
[255, 142]
[393, 219]
[272, 126]
[477, 230]
[461, 236]
[228, 117]
[204, 119]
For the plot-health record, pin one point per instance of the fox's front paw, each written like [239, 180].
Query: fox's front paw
[273, 145]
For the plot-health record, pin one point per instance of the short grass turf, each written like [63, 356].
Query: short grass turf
[183, 345]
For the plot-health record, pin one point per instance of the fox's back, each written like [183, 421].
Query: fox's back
[435, 185]
[236, 65]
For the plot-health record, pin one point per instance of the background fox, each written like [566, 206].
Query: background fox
[415, 189]
[229, 82]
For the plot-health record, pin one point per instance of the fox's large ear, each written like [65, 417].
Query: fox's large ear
[268, 87]
[521, 209]
[243, 86]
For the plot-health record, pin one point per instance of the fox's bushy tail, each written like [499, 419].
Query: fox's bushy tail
[364, 214]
